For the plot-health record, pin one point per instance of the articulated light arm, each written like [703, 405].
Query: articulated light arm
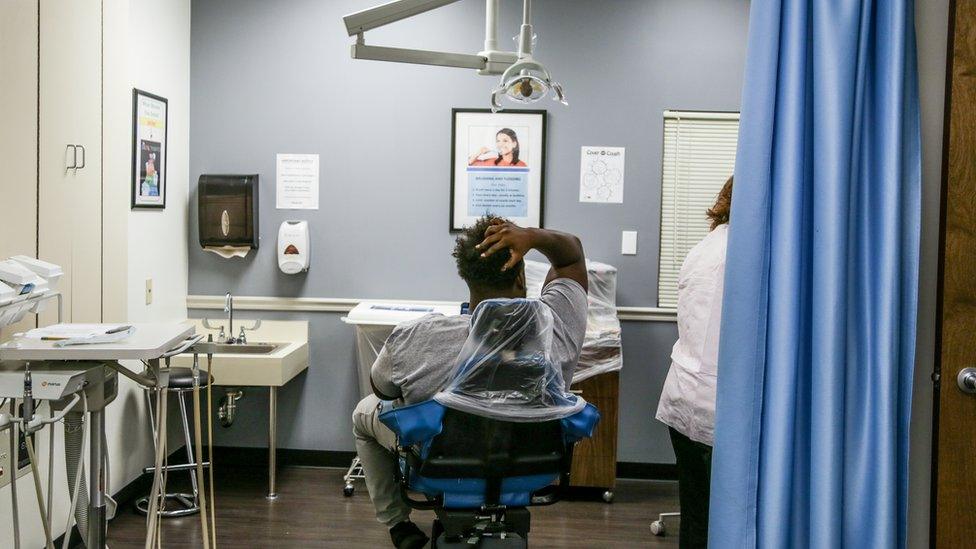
[418, 57]
[486, 62]
[524, 80]
[391, 12]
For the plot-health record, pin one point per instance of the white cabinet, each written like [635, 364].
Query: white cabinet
[18, 131]
[69, 228]
[18, 127]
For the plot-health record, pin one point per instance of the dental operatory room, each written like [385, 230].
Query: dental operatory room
[488, 274]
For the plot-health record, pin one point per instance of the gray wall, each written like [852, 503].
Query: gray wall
[271, 77]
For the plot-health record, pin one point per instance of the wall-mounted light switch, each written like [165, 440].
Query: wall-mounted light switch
[628, 243]
[149, 295]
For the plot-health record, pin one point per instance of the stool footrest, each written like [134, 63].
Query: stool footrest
[188, 502]
[179, 467]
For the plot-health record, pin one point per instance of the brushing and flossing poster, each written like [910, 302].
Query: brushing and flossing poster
[498, 166]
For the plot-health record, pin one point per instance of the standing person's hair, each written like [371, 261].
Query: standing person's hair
[515, 152]
[719, 213]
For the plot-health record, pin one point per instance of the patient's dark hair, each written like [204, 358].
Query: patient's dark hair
[479, 272]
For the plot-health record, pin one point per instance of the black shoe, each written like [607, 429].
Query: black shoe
[406, 535]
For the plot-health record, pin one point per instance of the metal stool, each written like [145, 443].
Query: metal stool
[181, 383]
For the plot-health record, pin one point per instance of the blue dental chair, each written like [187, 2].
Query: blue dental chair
[500, 435]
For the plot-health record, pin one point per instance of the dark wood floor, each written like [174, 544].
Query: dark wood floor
[311, 512]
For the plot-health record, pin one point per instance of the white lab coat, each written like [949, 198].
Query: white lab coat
[688, 400]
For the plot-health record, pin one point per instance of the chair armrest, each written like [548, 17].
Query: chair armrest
[416, 422]
[402, 477]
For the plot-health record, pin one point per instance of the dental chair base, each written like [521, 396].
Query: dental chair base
[491, 527]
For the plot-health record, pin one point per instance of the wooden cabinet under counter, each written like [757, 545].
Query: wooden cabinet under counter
[595, 459]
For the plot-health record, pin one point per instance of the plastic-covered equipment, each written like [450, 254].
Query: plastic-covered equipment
[505, 369]
[601, 347]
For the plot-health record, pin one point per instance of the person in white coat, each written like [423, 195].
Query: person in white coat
[687, 404]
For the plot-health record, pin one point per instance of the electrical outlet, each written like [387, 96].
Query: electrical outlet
[149, 295]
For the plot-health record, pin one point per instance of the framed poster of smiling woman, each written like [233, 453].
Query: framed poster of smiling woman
[498, 166]
[149, 121]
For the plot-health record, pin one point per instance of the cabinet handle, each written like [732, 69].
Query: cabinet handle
[83, 156]
[74, 157]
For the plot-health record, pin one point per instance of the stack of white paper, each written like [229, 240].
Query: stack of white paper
[79, 334]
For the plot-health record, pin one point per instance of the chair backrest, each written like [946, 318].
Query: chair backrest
[471, 446]
[466, 460]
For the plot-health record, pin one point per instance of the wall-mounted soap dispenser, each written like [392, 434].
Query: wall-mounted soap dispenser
[228, 211]
[293, 244]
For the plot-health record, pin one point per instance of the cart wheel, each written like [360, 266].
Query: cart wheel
[657, 528]
[348, 490]
[608, 496]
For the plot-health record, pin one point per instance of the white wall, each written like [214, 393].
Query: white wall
[160, 63]
[931, 24]
[156, 59]
[147, 46]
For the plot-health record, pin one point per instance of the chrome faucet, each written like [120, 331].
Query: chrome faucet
[229, 309]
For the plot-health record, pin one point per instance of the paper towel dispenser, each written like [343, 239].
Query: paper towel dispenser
[228, 210]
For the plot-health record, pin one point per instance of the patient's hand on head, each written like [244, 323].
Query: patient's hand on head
[564, 251]
[503, 234]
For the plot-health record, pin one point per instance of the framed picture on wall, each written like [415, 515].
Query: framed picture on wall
[149, 127]
[498, 166]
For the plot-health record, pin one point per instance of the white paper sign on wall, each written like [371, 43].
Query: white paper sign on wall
[602, 175]
[297, 182]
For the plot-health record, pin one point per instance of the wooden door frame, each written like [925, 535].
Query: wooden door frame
[959, 185]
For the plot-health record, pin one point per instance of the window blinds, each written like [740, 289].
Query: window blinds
[699, 156]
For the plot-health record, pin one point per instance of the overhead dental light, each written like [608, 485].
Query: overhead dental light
[523, 78]
[526, 80]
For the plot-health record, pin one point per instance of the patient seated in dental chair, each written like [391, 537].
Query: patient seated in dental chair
[496, 438]
[421, 357]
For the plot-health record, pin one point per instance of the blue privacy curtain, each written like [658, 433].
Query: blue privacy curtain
[818, 323]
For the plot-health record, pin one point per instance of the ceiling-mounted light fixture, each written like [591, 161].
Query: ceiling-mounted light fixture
[524, 80]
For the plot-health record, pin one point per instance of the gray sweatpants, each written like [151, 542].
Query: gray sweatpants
[375, 444]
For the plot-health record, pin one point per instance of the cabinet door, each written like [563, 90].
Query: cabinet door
[595, 459]
[18, 134]
[70, 199]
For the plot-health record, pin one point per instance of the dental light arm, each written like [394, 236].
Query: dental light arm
[390, 12]
[524, 80]
[360, 22]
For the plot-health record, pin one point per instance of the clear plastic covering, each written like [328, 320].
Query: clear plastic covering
[375, 321]
[505, 370]
[601, 346]
[369, 342]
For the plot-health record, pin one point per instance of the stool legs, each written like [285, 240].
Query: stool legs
[190, 502]
[190, 458]
[152, 416]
